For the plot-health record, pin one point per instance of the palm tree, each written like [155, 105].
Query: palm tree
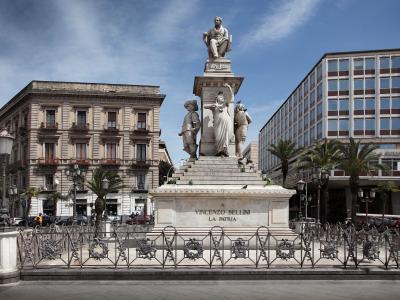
[96, 186]
[357, 159]
[324, 155]
[385, 188]
[54, 197]
[29, 193]
[285, 150]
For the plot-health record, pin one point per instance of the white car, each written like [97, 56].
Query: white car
[16, 221]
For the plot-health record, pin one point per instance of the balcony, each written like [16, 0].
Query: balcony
[141, 130]
[48, 126]
[80, 162]
[110, 162]
[80, 127]
[48, 162]
[142, 164]
[140, 188]
[111, 128]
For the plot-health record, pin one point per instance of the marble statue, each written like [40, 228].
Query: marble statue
[222, 121]
[217, 40]
[190, 128]
[241, 121]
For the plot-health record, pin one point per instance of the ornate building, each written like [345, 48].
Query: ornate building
[61, 124]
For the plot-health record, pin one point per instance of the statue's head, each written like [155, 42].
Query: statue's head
[218, 20]
[191, 105]
[240, 107]
[220, 98]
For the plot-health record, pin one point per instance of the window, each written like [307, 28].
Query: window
[319, 91]
[396, 83]
[370, 83]
[49, 151]
[332, 66]
[344, 104]
[359, 64]
[343, 65]
[81, 151]
[332, 85]
[344, 125]
[384, 63]
[50, 117]
[395, 123]
[385, 123]
[49, 182]
[396, 103]
[319, 130]
[141, 152]
[358, 104]
[358, 84]
[319, 111]
[332, 125]
[370, 104]
[385, 82]
[319, 73]
[305, 104]
[112, 120]
[343, 84]
[141, 121]
[81, 118]
[387, 146]
[141, 180]
[370, 63]
[370, 124]
[396, 64]
[111, 151]
[358, 124]
[332, 105]
[385, 104]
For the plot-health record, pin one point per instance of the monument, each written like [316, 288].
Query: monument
[218, 188]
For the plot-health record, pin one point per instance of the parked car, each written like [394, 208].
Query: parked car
[16, 221]
[114, 218]
[139, 219]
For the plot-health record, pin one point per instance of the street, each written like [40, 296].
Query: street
[271, 289]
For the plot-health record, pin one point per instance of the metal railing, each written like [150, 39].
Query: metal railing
[126, 247]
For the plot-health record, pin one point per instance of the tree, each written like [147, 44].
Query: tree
[96, 186]
[385, 188]
[357, 159]
[163, 169]
[285, 150]
[324, 155]
[29, 193]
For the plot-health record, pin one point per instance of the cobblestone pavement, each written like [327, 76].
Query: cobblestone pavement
[279, 289]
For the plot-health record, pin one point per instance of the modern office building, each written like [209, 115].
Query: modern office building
[61, 124]
[346, 94]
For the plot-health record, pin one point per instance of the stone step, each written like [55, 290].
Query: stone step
[213, 167]
[218, 173]
[216, 162]
[221, 182]
[238, 179]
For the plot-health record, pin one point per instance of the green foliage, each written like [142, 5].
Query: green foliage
[190, 182]
[172, 181]
[325, 155]
[29, 193]
[285, 150]
[386, 187]
[165, 169]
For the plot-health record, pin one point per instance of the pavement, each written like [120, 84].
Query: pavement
[238, 289]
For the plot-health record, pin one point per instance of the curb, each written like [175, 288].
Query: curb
[209, 274]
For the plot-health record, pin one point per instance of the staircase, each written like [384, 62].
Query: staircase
[212, 170]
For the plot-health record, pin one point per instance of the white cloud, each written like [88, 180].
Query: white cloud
[281, 21]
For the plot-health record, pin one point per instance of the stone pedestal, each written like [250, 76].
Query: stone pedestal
[216, 73]
[8, 257]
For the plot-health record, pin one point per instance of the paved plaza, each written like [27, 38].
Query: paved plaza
[281, 289]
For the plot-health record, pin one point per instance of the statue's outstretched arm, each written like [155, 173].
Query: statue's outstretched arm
[205, 38]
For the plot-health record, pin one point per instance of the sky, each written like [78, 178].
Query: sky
[157, 42]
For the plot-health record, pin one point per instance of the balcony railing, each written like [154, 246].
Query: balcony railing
[111, 128]
[48, 161]
[80, 126]
[49, 126]
[137, 130]
[81, 161]
[110, 162]
[136, 163]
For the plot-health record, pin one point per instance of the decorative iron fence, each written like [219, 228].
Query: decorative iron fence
[325, 246]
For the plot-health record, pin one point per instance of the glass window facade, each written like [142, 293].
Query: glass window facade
[370, 124]
[344, 104]
[384, 63]
[358, 84]
[332, 65]
[370, 104]
[385, 82]
[358, 124]
[370, 63]
[369, 83]
[385, 123]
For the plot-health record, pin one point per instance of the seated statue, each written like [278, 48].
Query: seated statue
[217, 40]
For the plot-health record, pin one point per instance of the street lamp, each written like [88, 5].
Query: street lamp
[319, 177]
[6, 144]
[75, 174]
[367, 197]
[105, 183]
[13, 193]
[300, 188]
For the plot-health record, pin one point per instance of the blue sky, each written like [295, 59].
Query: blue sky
[275, 43]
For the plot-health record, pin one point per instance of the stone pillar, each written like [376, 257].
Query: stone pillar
[8, 257]
[216, 73]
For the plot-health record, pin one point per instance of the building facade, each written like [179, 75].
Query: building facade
[346, 94]
[61, 124]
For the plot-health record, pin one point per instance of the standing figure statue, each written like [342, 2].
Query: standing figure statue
[190, 128]
[217, 40]
[222, 122]
[241, 122]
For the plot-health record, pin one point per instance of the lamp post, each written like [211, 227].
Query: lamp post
[74, 174]
[105, 183]
[367, 197]
[6, 143]
[13, 193]
[300, 188]
[319, 177]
